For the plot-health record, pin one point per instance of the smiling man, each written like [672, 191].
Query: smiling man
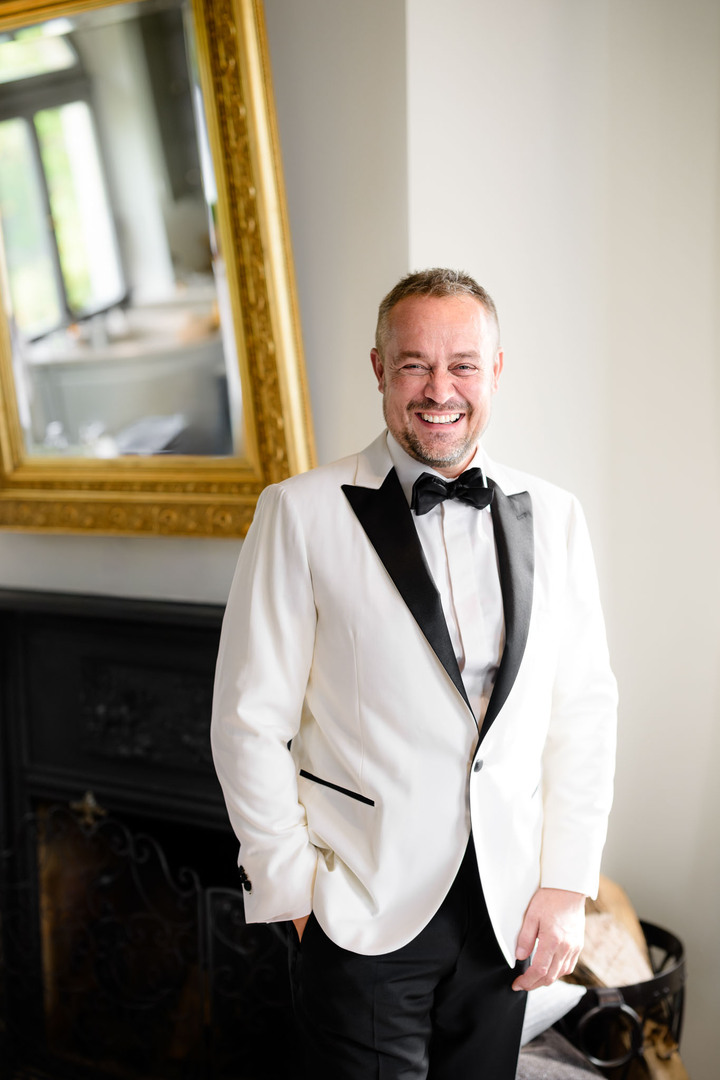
[438, 361]
[414, 718]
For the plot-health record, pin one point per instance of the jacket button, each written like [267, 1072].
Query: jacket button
[478, 765]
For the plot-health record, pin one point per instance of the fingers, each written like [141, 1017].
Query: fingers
[547, 966]
[527, 937]
[553, 926]
[300, 925]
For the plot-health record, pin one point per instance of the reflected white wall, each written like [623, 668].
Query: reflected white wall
[114, 53]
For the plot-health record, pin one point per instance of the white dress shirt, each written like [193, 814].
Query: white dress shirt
[459, 546]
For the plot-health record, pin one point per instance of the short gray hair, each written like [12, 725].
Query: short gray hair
[438, 281]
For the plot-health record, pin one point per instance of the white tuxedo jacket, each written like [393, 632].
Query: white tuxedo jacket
[334, 640]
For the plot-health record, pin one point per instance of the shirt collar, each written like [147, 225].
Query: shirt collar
[408, 469]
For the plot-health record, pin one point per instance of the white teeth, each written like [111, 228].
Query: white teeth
[445, 418]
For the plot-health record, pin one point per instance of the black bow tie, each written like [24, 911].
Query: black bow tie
[470, 487]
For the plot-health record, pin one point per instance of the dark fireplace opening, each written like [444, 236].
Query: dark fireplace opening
[124, 953]
[129, 955]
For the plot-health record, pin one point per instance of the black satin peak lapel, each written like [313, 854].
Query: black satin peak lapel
[387, 520]
[514, 540]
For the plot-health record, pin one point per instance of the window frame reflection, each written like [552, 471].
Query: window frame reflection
[32, 100]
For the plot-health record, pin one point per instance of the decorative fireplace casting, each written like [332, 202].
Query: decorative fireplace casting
[124, 948]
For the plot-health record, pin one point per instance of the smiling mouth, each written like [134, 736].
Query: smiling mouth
[442, 418]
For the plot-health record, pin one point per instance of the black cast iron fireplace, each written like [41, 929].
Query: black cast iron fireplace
[124, 949]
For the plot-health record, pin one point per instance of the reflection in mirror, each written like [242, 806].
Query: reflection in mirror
[110, 269]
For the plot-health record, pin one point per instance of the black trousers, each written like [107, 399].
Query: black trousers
[439, 1008]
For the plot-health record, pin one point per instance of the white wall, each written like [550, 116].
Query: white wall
[664, 605]
[567, 153]
[505, 121]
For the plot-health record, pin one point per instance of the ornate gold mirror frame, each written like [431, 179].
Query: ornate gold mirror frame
[187, 495]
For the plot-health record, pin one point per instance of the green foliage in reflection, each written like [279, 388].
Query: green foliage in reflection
[25, 238]
[65, 207]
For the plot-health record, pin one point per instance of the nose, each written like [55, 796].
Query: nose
[439, 385]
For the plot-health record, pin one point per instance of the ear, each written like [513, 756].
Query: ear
[378, 368]
[497, 368]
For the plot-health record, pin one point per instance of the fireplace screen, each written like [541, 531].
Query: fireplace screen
[117, 961]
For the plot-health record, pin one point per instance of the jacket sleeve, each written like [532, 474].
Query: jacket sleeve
[579, 756]
[262, 671]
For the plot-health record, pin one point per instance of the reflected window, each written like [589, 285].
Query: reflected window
[117, 295]
[36, 50]
[28, 243]
[61, 251]
[80, 208]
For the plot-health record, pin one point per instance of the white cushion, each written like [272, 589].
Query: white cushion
[547, 1005]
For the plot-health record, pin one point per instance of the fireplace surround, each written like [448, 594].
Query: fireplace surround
[124, 948]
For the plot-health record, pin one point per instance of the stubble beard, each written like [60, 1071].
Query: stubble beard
[415, 448]
[412, 444]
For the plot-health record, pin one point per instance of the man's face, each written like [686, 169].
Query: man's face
[438, 375]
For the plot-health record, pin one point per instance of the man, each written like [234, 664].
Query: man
[414, 718]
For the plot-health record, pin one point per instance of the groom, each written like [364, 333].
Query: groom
[414, 718]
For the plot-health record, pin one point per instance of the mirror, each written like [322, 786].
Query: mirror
[150, 360]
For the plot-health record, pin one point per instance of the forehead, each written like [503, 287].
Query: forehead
[424, 323]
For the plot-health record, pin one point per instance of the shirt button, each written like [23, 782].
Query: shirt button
[478, 765]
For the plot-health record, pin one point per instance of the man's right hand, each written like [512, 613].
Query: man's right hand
[300, 925]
